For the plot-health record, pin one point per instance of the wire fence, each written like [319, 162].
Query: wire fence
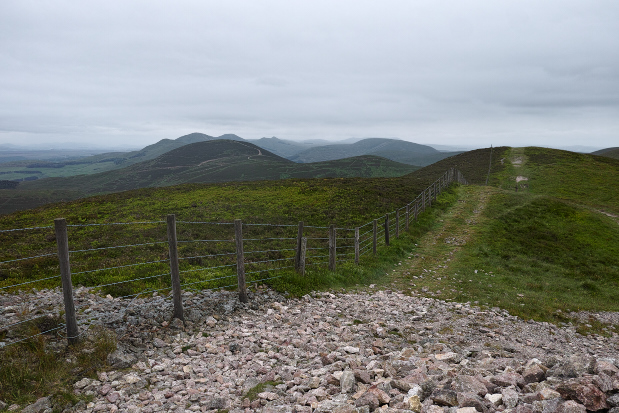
[206, 256]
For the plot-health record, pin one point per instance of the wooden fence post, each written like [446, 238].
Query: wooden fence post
[397, 223]
[297, 256]
[357, 245]
[332, 248]
[434, 191]
[429, 197]
[62, 242]
[302, 256]
[375, 236]
[240, 260]
[174, 271]
[408, 215]
[387, 229]
[423, 200]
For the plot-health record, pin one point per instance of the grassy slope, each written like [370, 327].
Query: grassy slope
[541, 249]
[343, 201]
[212, 161]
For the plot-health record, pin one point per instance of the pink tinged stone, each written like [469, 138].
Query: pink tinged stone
[105, 390]
[585, 392]
[605, 367]
[508, 379]
[368, 399]
[533, 374]
[571, 406]
[463, 384]
[113, 397]
[383, 397]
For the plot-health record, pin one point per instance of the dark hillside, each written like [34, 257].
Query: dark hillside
[201, 162]
[396, 150]
[473, 164]
[608, 152]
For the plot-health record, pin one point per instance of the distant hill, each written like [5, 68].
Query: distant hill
[281, 147]
[608, 152]
[396, 150]
[104, 161]
[200, 162]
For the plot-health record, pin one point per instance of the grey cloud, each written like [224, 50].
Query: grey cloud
[145, 69]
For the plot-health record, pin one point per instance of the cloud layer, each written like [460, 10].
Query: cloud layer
[450, 72]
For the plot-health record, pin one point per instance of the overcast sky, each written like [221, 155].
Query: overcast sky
[455, 72]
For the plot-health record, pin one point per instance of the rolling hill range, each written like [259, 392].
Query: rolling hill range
[399, 151]
[396, 150]
[608, 152]
[102, 162]
[200, 162]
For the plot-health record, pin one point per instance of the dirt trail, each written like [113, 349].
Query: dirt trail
[518, 159]
[426, 270]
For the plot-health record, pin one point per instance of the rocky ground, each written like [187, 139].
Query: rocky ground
[374, 350]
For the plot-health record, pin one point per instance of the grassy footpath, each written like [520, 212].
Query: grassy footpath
[540, 252]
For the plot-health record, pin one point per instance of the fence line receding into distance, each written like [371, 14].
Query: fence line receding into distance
[236, 254]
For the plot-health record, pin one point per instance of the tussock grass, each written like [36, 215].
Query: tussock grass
[42, 367]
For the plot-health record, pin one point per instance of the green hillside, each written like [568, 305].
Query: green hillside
[540, 247]
[608, 152]
[200, 162]
[101, 162]
[396, 150]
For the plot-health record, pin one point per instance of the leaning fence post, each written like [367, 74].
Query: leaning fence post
[240, 260]
[332, 248]
[387, 229]
[374, 236]
[357, 245]
[297, 257]
[302, 256]
[174, 272]
[408, 215]
[397, 223]
[62, 241]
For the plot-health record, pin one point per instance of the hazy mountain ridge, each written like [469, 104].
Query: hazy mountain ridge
[396, 150]
[200, 162]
